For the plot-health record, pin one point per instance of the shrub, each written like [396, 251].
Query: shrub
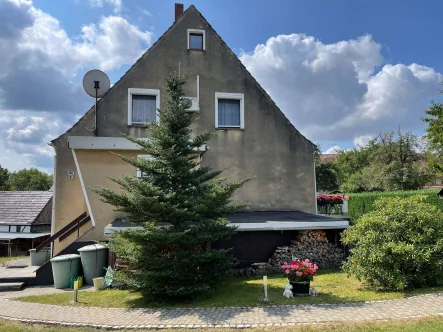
[399, 245]
[362, 203]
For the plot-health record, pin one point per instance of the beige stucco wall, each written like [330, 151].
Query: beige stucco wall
[96, 166]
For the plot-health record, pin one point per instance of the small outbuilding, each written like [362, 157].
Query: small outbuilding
[25, 220]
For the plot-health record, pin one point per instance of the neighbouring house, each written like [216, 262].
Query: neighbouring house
[256, 139]
[25, 220]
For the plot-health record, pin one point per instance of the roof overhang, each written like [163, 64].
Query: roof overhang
[260, 221]
[290, 226]
[108, 143]
[13, 236]
[102, 143]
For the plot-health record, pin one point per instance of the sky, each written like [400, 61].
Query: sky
[341, 71]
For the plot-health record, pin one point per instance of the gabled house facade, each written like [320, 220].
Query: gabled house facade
[255, 138]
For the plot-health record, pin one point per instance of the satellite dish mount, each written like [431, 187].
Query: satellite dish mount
[91, 84]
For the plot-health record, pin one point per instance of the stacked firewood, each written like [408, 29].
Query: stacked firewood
[312, 245]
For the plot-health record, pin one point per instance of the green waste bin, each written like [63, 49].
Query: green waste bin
[64, 268]
[41, 257]
[94, 261]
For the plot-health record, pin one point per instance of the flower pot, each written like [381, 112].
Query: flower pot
[300, 288]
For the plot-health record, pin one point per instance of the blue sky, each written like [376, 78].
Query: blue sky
[347, 67]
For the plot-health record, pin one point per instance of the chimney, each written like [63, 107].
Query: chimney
[178, 10]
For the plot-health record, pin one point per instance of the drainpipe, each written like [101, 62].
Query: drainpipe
[53, 196]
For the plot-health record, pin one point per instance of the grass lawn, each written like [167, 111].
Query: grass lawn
[4, 260]
[332, 287]
[429, 324]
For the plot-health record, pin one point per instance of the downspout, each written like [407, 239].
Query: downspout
[315, 188]
[53, 196]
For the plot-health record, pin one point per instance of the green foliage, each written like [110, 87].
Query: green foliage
[4, 176]
[29, 179]
[325, 174]
[399, 245]
[362, 203]
[389, 162]
[434, 135]
[189, 202]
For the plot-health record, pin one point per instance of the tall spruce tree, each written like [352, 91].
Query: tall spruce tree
[181, 206]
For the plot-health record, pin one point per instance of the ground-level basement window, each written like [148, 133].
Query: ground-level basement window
[140, 174]
[229, 110]
[143, 106]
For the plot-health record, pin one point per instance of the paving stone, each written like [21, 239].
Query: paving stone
[233, 317]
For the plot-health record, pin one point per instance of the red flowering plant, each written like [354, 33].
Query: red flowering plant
[330, 204]
[300, 270]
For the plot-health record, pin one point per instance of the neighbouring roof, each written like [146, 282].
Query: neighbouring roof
[13, 236]
[22, 207]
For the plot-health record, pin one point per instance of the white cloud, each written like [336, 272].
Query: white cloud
[333, 150]
[38, 62]
[362, 141]
[336, 91]
[115, 4]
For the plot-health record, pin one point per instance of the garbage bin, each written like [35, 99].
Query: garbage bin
[64, 268]
[94, 260]
[41, 257]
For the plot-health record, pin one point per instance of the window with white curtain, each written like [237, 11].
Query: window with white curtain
[143, 105]
[229, 110]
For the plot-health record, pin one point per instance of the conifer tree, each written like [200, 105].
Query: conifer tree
[181, 206]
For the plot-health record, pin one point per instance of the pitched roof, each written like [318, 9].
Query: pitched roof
[22, 207]
[153, 46]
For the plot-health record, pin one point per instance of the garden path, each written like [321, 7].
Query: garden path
[238, 317]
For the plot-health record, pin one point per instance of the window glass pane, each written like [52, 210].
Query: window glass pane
[228, 113]
[143, 108]
[196, 41]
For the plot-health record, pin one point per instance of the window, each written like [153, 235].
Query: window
[196, 39]
[229, 110]
[18, 229]
[140, 174]
[143, 105]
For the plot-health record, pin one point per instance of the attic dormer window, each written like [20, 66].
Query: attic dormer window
[196, 39]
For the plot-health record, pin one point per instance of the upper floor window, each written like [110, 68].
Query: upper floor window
[196, 39]
[229, 110]
[143, 105]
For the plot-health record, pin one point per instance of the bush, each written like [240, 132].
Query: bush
[399, 245]
[362, 203]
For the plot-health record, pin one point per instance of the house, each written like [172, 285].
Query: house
[25, 220]
[256, 138]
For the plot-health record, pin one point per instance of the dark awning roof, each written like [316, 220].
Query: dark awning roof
[284, 220]
[263, 221]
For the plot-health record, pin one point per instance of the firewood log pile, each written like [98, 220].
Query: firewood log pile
[312, 245]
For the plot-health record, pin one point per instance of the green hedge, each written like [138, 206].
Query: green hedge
[362, 203]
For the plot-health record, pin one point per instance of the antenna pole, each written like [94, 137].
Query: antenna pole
[96, 87]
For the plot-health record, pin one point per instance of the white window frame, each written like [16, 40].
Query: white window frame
[196, 31]
[143, 156]
[143, 92]
[233, 96]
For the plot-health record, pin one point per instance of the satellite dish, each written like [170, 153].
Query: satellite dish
[96, 83]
